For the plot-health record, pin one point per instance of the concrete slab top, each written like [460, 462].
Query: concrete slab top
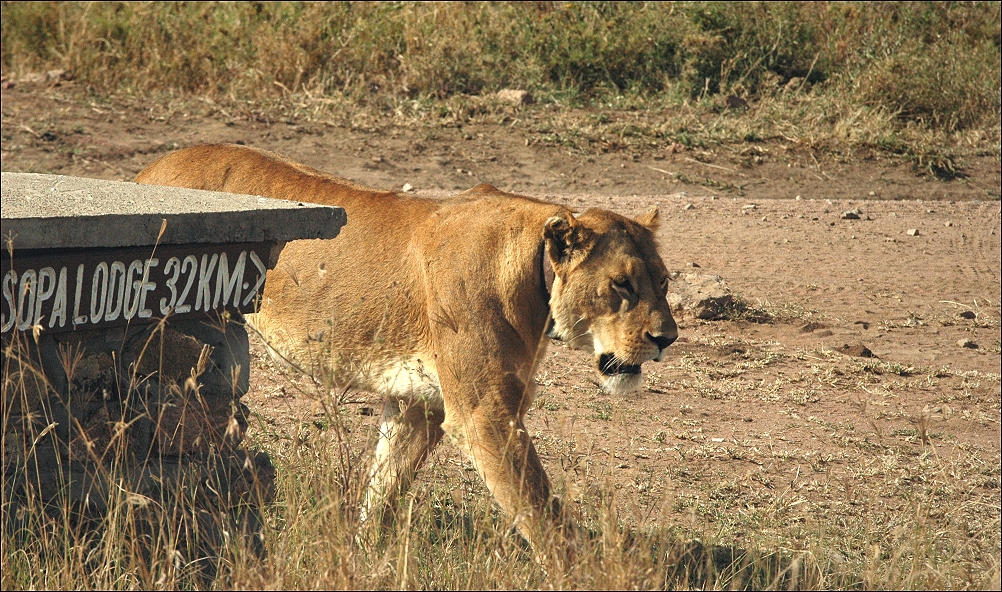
[59, 212]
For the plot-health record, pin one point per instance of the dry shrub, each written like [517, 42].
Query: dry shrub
[932, 62]
[947, 84]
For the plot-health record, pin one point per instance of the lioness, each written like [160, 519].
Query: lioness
[442, 305]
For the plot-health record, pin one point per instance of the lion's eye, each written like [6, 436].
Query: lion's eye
[664, 284]
[622, 283]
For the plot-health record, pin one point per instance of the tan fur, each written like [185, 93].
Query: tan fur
[441, 305]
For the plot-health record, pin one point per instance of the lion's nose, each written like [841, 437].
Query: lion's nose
[662, 341]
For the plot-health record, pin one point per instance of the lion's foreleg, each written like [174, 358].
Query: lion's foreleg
[506, 459]
[410, 429]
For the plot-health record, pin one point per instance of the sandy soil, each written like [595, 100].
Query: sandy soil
[768, 408]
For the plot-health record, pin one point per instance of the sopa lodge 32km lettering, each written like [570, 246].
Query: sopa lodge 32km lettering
[90, 289]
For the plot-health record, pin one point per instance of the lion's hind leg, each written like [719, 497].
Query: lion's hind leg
[410, 429]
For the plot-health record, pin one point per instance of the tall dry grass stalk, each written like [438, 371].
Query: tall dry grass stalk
[82, 511]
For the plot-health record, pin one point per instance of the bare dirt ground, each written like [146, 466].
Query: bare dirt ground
[753, 424]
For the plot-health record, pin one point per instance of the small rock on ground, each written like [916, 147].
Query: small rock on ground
[699, 295]
[735, 102]
[967, 343]
[858, 350]
[514, 96]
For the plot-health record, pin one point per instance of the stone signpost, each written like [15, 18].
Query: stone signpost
[125, 353]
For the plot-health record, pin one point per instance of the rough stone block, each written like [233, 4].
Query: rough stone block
[699, 295]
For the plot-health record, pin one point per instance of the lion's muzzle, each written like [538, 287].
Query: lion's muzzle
[609, 365]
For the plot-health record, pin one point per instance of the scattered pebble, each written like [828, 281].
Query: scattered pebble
[765, 218]
[798, 198]
[873, 193]
[749, 207]
[408, 187]
[859, 350]
[968, 314]
[735, 102]
[913, 232]
[967, 343]
[850, 215]
[692, 264]
[948, 224]
[514, 96]
[688, 206]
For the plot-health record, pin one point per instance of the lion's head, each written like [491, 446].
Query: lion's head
[609, 293]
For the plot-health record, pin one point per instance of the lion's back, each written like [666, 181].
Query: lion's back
[365, 293]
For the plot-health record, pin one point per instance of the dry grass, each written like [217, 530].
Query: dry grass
[895, 517]
[84, 508]
[910, 79]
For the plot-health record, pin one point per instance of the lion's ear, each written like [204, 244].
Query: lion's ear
[563, 235]
[650, 219]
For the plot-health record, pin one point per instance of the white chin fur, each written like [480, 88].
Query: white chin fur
[623, 384]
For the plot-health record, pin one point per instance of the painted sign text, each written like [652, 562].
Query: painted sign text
[90, 289]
